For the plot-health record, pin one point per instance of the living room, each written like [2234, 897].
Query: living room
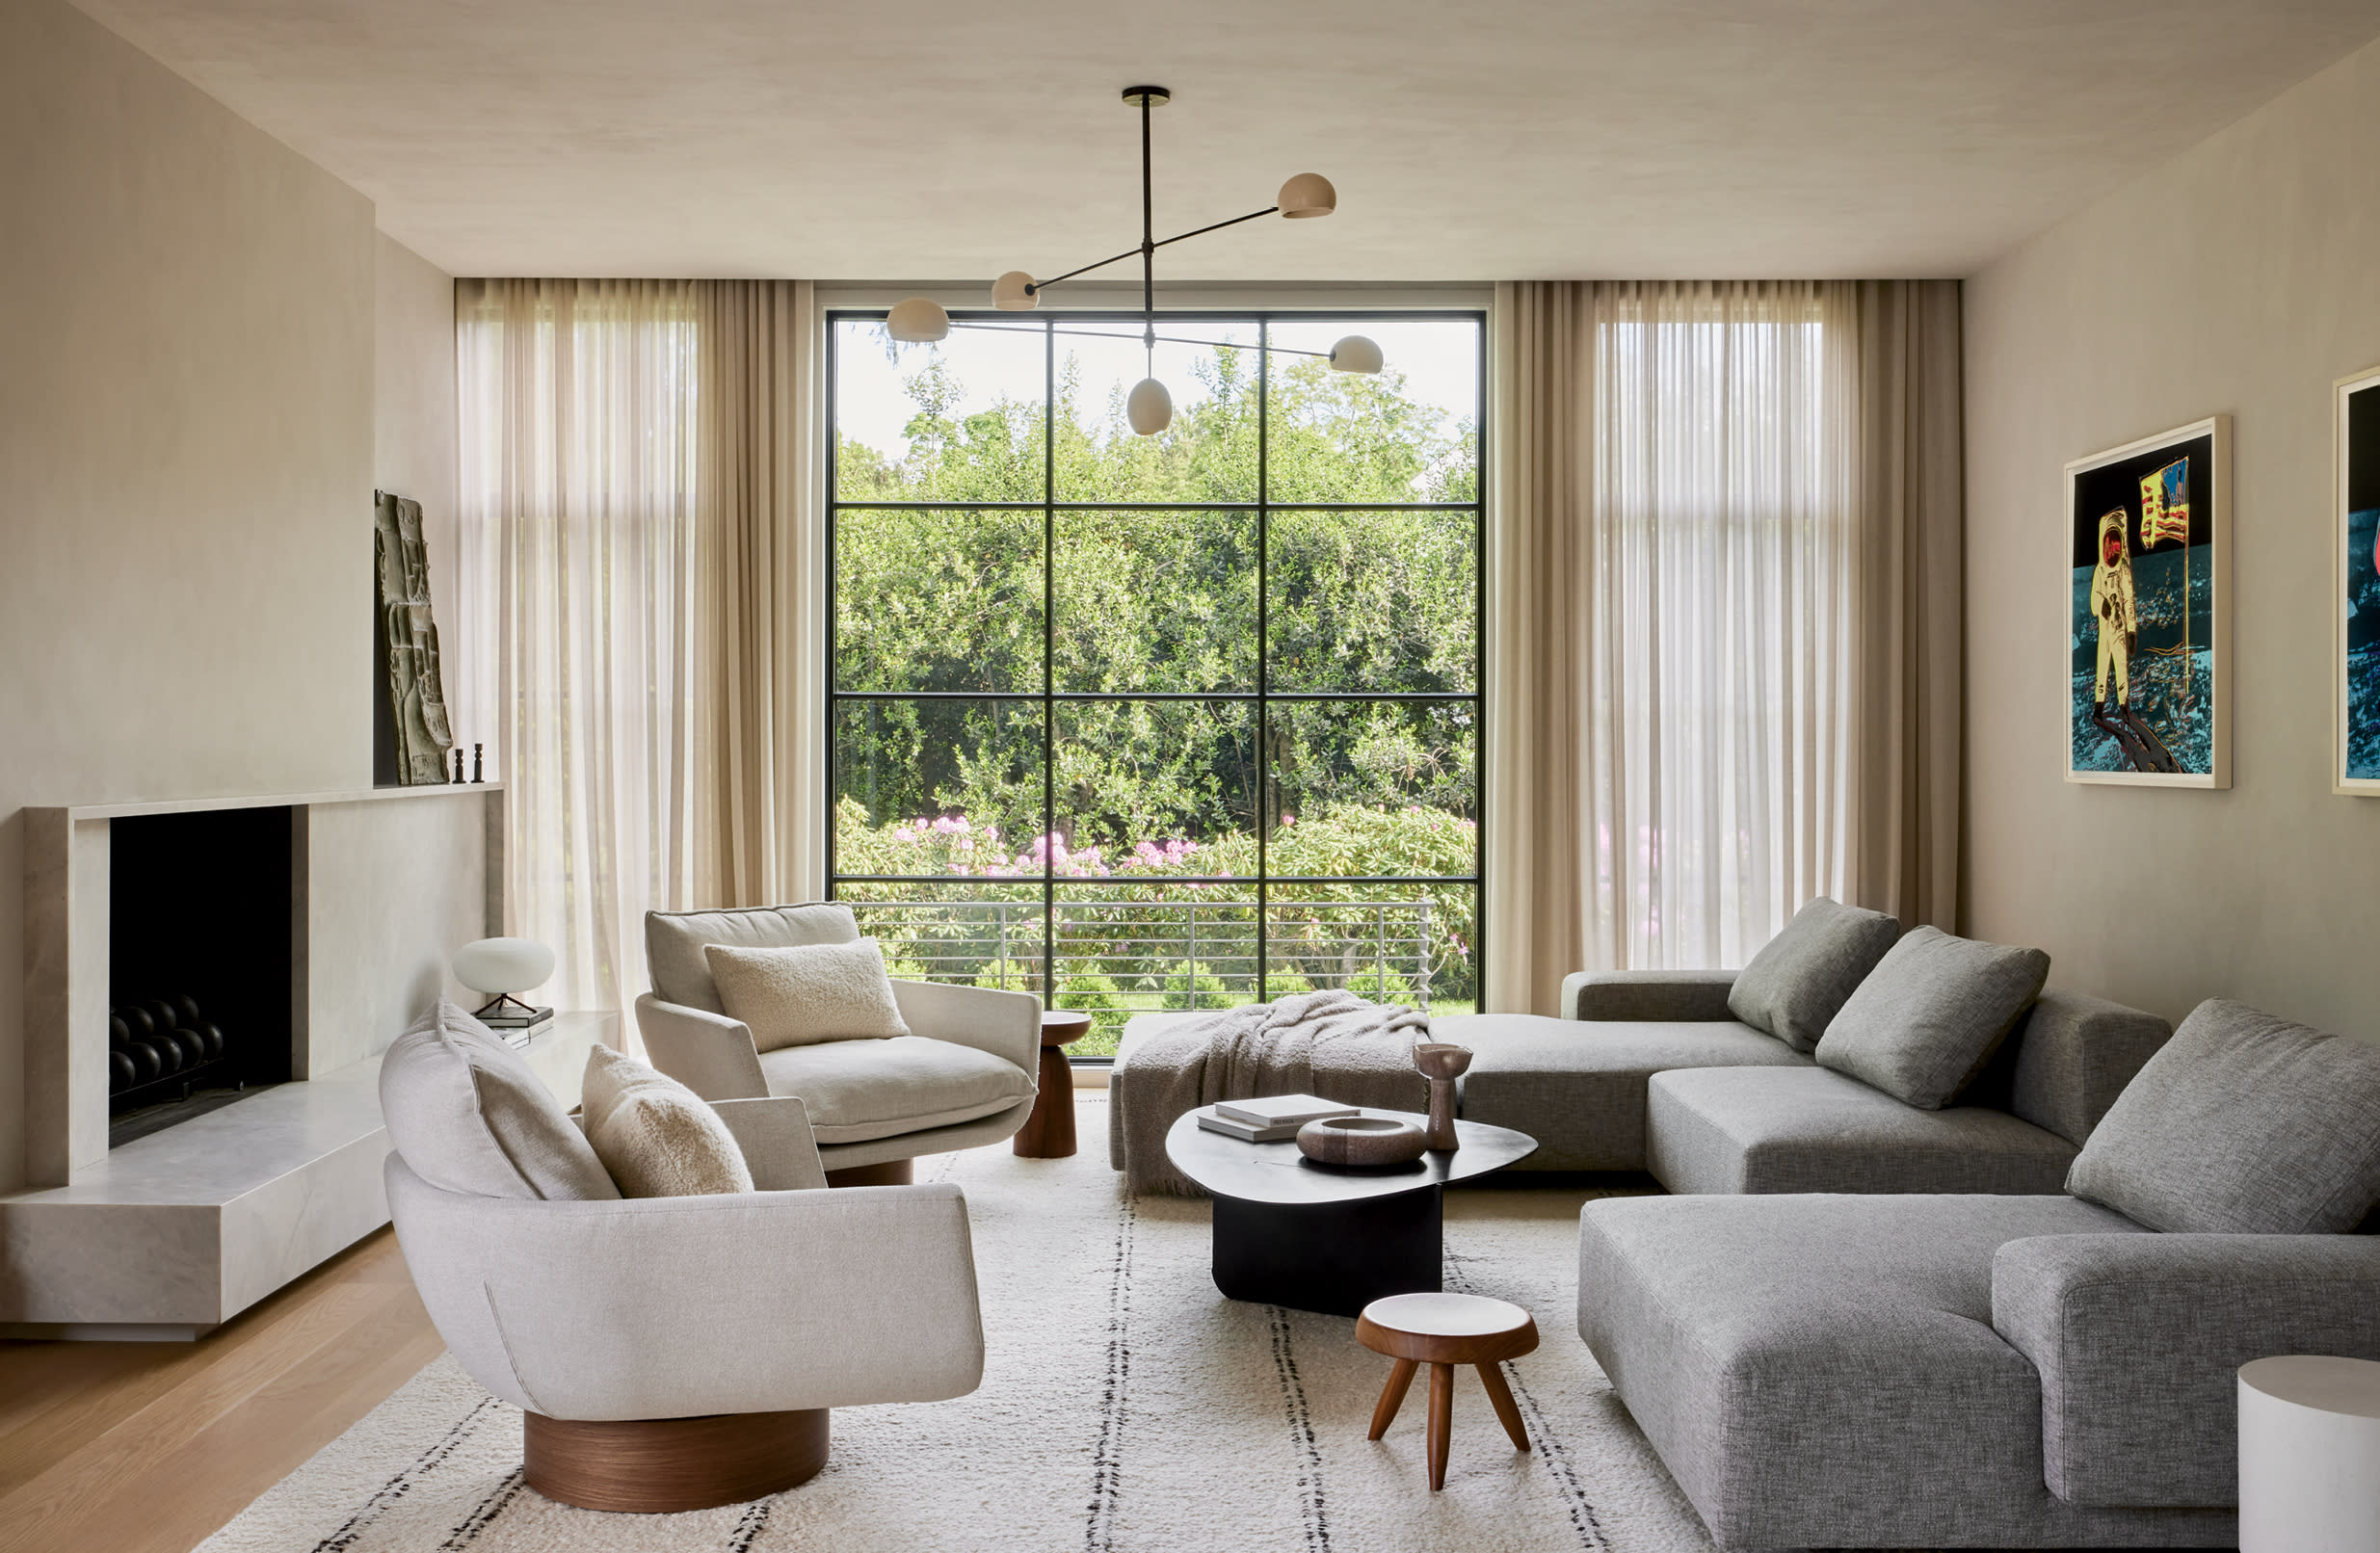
[931, 778]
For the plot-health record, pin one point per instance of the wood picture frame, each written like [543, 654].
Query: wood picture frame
[2148, 691]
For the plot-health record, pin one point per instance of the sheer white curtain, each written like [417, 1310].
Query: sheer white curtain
[580, 447]
[1675, 563]
[1724, 491]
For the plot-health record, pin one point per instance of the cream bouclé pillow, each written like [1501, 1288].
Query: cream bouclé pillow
[656, 1137]
[806, 994]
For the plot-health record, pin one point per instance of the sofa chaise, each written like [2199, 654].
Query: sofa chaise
[2008, 1371]
[1667, 1071]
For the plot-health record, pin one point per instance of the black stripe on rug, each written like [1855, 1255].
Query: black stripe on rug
[1550, 1448]
[748, 1530]
[488, 1509]
[1100, 1533]
[1300, 1434]
[397, 1486]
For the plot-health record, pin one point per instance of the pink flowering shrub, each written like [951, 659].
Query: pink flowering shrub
[1129, 945]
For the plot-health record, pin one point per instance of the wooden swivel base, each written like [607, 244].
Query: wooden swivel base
[653, 1465]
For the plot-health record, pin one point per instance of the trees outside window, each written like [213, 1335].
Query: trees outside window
[1171, 723]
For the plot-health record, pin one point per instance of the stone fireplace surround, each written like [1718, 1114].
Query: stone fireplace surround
[176, 1233]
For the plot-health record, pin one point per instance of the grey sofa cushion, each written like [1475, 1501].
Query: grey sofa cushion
[2139, 1340]
[1822, 1371]
[1811, 1129]
[468, 1115]
[1799, 979]
[673, 942]
[1578, 1088]
[2068, 1058]
[1931, 1014]
[2242, 1124]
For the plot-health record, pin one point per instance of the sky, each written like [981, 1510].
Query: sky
[1440, 361]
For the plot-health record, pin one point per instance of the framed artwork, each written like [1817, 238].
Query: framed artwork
[2147, 586]
[2356, 749]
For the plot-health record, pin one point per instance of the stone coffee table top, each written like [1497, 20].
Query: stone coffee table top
[1276, 1172]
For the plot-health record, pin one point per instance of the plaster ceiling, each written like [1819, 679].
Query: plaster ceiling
[1497, 139]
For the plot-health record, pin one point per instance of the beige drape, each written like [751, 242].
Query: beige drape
[1912, 619]
[762, 808]
[643, 569]
[579, 453]
[1723, 594]
[1539, 576]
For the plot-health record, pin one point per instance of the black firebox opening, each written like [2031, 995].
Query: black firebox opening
[199, 955]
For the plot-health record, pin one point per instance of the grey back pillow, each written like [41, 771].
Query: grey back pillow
[2243, 1124]
[1795, 985]
[1930, 1016]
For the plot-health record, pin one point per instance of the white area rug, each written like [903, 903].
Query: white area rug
[1126, 1407]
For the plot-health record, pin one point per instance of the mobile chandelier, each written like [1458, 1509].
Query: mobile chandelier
[1149, 408]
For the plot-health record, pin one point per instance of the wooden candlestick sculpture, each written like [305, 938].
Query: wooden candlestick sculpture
[1442, 1063]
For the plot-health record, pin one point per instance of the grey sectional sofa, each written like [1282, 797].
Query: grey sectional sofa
[2008, 1371]
[1649, 1070]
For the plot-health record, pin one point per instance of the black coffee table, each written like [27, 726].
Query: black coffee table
[1328, 1238]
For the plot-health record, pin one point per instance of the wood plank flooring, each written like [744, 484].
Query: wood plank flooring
[152, 1447]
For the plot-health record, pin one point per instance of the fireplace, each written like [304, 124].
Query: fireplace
[200, 957]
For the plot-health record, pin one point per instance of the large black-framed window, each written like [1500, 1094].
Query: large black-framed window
[1160, 723]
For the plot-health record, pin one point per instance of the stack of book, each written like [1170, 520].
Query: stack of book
[1271, 1118]
[518, 1026]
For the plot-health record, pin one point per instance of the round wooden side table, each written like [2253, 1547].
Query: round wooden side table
[1049, 1133]
[1443, 1330]
[2310, 1455]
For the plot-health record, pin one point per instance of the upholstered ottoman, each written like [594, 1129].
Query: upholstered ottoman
[1823, 1370]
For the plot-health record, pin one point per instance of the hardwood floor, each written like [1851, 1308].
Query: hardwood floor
[152, 1447]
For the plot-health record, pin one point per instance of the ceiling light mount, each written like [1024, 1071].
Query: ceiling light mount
[1149, 408]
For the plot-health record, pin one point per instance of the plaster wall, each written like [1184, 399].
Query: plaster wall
[2237, 278]
[187, 448]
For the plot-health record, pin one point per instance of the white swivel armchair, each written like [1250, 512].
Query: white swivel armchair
[964, 1075]
[668, 1353]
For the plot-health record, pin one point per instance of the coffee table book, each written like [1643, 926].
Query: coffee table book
[1233, 1127]
[1292, 1110]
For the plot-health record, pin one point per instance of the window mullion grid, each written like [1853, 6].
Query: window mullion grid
[1049, 669]
[1051, 698]
[1264, 657]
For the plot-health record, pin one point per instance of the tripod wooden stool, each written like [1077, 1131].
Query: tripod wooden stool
[1443, 1330]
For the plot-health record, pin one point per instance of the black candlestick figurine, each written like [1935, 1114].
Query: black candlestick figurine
[479, 767]
[458, 762]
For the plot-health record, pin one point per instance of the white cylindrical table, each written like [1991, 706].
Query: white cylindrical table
[2309, 1456]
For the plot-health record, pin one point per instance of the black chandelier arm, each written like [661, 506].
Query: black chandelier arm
[1104, 334]
[1039, 286]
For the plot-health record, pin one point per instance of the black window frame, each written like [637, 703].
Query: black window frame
[1262, 698]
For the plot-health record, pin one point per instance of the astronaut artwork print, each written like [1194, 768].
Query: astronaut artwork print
[2145, 694]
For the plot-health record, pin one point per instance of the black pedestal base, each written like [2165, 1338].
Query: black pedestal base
[1331, 1258]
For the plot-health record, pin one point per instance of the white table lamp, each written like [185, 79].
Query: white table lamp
[501, 968]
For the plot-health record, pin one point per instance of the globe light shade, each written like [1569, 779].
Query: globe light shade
[1149, 408]
[497, 967]
[1355, 353]
[1308, 193]
[1011, 293]
[918, 321]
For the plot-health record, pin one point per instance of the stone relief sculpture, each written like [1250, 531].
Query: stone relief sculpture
[409, 638]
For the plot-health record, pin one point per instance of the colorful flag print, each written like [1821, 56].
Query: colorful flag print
[2165, 504]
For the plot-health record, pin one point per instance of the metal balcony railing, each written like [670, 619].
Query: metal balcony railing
[1119, 957]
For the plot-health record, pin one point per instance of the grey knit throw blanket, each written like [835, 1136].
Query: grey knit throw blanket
[1332, 1043]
